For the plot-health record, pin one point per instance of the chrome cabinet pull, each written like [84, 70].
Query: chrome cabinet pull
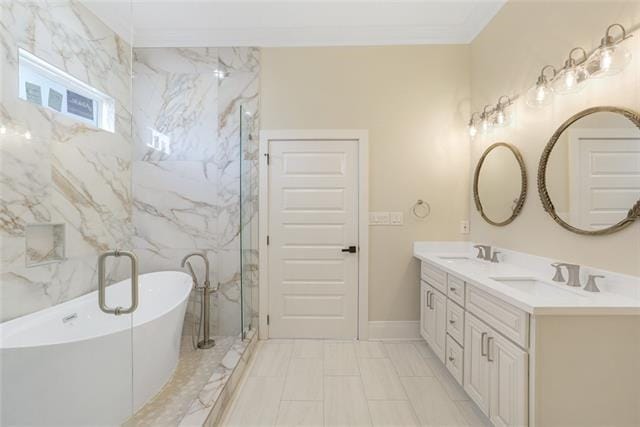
[453, 290]
[452, 321]
[489, 346]
[431, 301]
[428, 293]
[102, 282]
[482, 350]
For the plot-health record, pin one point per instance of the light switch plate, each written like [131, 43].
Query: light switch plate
[396, 218]
[378, 218]
[464, 227]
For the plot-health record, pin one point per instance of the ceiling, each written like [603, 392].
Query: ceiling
[174, 23]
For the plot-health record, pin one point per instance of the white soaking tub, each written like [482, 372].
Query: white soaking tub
[72, 364]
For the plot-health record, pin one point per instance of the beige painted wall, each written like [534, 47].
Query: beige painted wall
[414, 102]
[505, 59]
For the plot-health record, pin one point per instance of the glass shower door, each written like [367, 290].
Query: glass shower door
[65, 198]
[248, 220]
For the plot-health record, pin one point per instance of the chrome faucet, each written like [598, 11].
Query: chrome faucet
[591, 283]
[484, 252]
[207, 341]
[572, 269]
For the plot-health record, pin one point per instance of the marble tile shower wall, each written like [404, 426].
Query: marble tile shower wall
[186, 166]
[65, 172]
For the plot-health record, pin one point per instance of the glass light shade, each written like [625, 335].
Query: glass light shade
[473, 130]
[502, 118]
[570, 79]
[608, 61]
[539, 95]
[485, 125]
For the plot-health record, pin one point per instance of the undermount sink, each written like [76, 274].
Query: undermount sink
[533, 286]
[455, 258]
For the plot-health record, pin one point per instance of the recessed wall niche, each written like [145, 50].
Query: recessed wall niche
[45, 244]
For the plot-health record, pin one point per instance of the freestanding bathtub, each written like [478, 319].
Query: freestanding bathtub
[72, 364]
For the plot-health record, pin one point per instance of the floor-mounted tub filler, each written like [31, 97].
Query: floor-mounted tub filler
[63, 363]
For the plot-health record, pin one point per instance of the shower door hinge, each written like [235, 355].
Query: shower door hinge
[268, 156]
[268, 319]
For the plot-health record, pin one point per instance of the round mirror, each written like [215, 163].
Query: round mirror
[589, 173]
[500, 184]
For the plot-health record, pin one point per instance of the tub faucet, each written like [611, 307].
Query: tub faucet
[572, 269]
[484, 252]
[207, 341]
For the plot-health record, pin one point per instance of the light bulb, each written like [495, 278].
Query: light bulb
[541, 94]
[611, 57]
[500, 118]
[27, 135]
[571, 79]
[3, 130]
[473, 130]
[485, 125]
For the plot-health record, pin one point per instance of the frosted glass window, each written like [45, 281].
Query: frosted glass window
[43, 84]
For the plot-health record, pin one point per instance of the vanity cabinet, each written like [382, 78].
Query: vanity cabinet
[481, 340]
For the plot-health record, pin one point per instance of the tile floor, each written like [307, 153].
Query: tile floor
[345, 383]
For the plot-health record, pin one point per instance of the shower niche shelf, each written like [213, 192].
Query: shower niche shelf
[45, 244]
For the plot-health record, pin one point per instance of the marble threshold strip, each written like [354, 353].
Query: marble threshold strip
[207, 408]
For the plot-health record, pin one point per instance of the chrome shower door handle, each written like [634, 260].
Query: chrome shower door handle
[102, 285]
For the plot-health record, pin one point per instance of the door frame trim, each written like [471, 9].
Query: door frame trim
[362, 139]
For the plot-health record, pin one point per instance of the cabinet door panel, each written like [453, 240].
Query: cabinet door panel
[509, 382]
[424, 311]
[476, 365]
[439, 335]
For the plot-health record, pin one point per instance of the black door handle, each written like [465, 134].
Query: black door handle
[350, 249]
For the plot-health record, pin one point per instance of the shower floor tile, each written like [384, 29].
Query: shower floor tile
[195, 367]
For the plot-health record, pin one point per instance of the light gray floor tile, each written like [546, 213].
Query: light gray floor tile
[308, 348]
[307, 414]
[380, 380]
[340, 358]
[392, 413]
[304, 380]
[424, 350]
[473, 414]
[407, 360]
[258, 402]
[431, 402]
[344, 402]
[370, 349]
[273, 359]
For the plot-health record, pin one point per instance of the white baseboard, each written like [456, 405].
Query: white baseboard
[394, 330]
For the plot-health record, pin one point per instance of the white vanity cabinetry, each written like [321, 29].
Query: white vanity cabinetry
[481, 340]
[528, 350]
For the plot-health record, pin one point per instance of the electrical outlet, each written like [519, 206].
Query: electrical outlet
[378, 218]
[464, 227]
[396, 218]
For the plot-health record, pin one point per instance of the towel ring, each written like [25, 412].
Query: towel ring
[421, 209]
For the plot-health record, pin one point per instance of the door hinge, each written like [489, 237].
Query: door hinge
[268, 156]
[268, 319]
[268, 240]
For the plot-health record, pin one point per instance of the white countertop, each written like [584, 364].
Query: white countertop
[546, 298]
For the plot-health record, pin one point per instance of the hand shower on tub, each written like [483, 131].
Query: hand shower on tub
[207, 341]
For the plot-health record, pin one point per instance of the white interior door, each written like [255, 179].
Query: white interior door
[605, 176]
[313, 217]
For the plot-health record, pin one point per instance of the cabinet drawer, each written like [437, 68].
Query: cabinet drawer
[510, 321]
[434, 276]
[455, 359]
[455, 289]
[455, 321]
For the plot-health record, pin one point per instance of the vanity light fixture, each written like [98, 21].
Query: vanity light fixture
[573, 76]
[502, 114]
[485, 119]
[610, 57]
[541, 93]
[473, 129]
